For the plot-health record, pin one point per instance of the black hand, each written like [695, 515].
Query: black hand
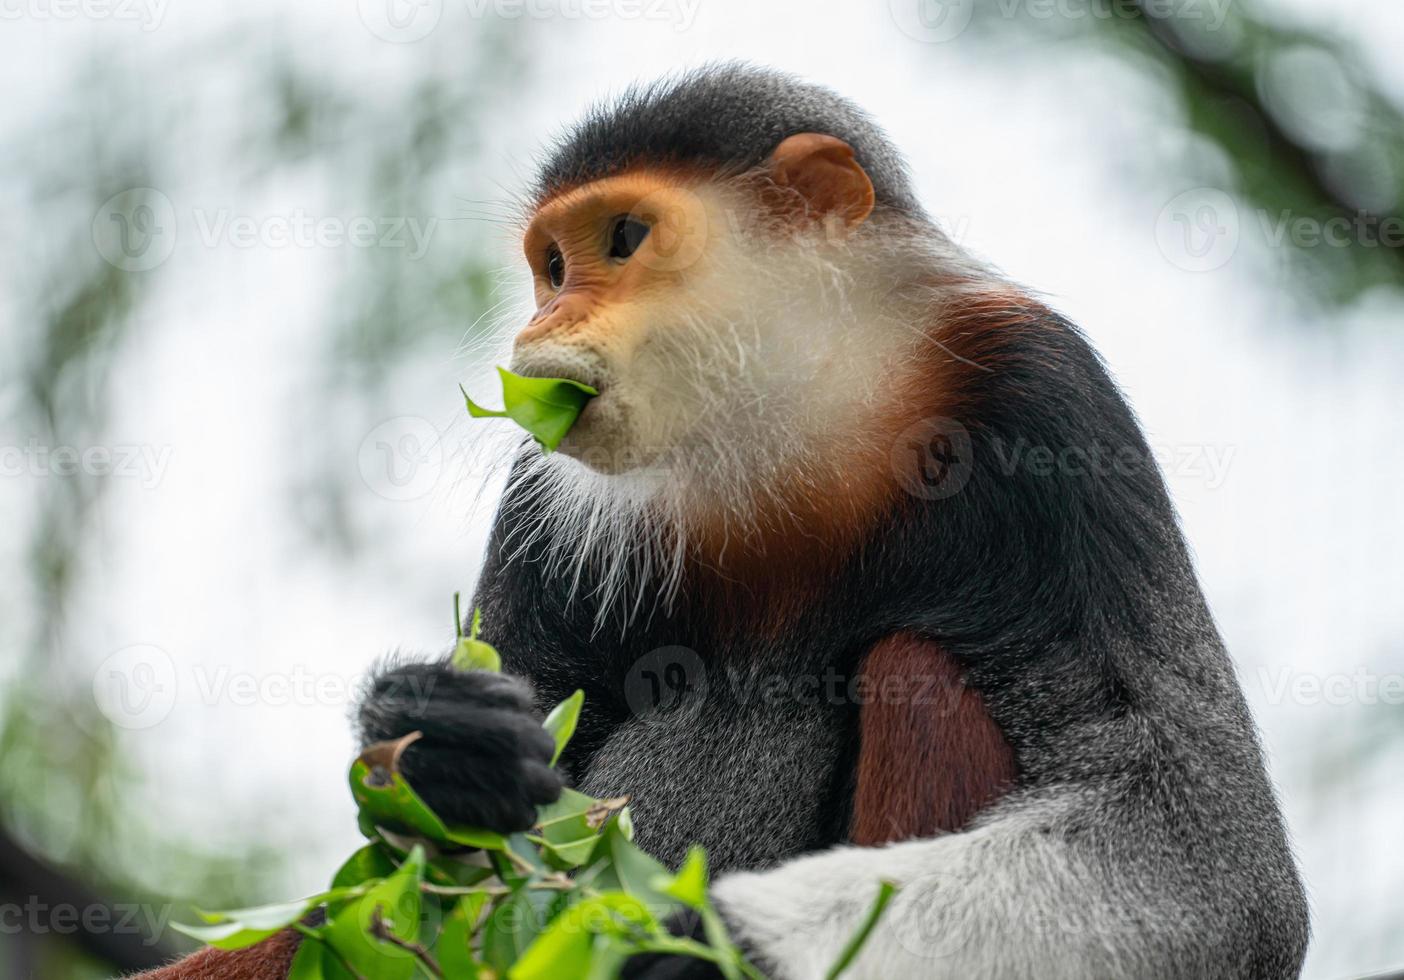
[484, 759]
[665, 966]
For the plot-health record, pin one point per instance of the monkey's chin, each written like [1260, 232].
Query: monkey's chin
[607, 439]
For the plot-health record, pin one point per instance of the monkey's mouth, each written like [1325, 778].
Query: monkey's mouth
[545, 369]
[595, 415]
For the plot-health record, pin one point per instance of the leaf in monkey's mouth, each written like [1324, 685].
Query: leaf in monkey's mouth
[545, 407]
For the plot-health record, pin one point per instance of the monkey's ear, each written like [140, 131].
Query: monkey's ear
[824, 171]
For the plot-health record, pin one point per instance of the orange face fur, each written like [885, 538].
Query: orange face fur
[593, 322]
[621, 322]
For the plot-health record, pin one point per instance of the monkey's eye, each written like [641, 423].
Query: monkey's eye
[625, 237]
[555, 267]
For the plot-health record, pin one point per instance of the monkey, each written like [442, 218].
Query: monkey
[866, 570]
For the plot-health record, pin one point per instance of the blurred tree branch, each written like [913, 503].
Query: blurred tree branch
[1239, 76]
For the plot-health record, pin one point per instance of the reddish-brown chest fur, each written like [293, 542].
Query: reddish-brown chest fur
[930, 756]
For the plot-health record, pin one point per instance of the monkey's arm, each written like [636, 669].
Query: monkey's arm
[268, 960]
[1154, 851]
[1070, 882]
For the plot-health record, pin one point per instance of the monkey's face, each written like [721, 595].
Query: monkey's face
[689, 303]
[615, 264]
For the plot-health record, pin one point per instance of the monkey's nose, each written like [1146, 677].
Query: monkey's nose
[563, 313]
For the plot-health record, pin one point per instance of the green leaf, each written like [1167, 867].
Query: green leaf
[568, 855]
[607, 958]
[395, 903]
[238, 928]
[545, 407]
[562, 720]
[689, 885]
[566, 947]
[476, 655]
[511, 928]
[229, 935]
[454, 871]
[315, 960]
[386, 799]
[454, 948]
[369, 862]
[486, 840]
[571, 805]
[568, 831]
[618, 864]
[855, 943]
[307, 962]
[471, 653]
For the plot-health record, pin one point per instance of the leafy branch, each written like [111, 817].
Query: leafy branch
[574, 897]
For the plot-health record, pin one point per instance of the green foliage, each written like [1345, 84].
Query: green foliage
[575, 897]
[545, 407]
[471, 653]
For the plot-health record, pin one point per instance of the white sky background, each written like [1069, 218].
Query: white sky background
[1284, 423]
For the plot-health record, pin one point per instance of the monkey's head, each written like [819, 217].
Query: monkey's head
[718, 254]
